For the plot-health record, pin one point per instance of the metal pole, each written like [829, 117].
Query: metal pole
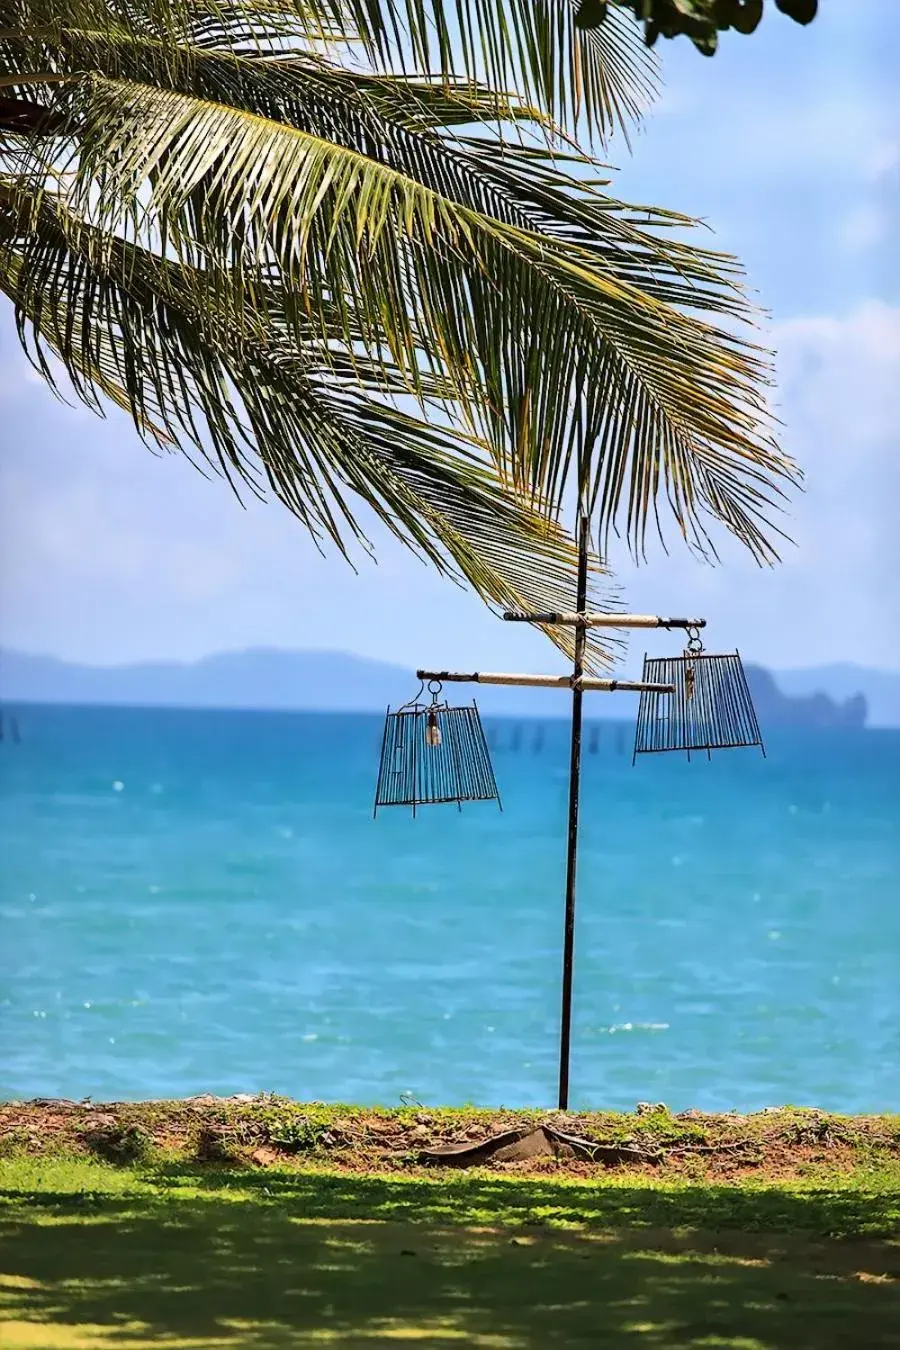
[565, 1035]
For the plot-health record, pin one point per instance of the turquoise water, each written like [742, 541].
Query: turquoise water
[202, 902]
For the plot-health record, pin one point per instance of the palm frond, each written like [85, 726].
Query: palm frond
[573, 334]
[145, 332]
[342, 215]
[602, 80]
[599, 80]
[221, 22]
[281, 85]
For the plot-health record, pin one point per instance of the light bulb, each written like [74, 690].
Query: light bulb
[432, 731]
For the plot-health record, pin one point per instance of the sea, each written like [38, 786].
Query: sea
[202, 902]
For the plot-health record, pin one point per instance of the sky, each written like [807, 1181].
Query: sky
[787, 145]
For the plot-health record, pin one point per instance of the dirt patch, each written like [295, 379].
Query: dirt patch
[267, 1131]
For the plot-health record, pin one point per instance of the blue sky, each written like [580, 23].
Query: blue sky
[788, 146]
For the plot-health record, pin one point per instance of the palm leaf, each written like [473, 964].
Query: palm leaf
[278, 84]
[570, 331]
[338, 224]
[601, 80]
[145, 332]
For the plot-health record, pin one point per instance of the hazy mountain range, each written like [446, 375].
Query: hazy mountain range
[337, 681]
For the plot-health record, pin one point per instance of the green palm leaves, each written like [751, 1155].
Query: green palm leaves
[281, 263]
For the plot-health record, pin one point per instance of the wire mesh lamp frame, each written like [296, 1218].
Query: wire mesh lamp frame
[432, 753]
[709, 709]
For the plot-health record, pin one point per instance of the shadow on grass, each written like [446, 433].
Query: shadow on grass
[844, 1210]
[266, 1260]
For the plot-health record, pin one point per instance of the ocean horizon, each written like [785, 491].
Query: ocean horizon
[201, 901]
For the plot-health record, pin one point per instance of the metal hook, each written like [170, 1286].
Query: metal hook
[694, 648]
[414, 700]
[694, 643]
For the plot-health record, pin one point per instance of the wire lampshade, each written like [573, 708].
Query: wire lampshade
[432, 753]
[710, 708]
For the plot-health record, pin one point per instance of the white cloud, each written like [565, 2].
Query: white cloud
[841, 375]
[883, 161]
[835, 594]
[864, 226]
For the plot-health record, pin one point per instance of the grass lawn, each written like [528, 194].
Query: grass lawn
[172, 1253]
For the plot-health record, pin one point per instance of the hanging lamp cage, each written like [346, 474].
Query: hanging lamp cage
[432, 753]
[710, 708]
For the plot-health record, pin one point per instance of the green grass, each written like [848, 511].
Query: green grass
[190, 1258]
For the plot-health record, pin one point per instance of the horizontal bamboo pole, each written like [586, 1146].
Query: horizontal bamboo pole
[546, 682]
[572, 620]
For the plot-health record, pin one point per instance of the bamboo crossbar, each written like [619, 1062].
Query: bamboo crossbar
[573, 620]
[547, 682]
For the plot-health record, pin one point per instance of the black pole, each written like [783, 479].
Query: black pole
[565, 1034]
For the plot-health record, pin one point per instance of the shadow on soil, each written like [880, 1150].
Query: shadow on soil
[267, 1260]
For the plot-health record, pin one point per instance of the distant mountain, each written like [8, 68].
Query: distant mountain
[842, 680]
[260, 678]
[838, 695]
[775, 708]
